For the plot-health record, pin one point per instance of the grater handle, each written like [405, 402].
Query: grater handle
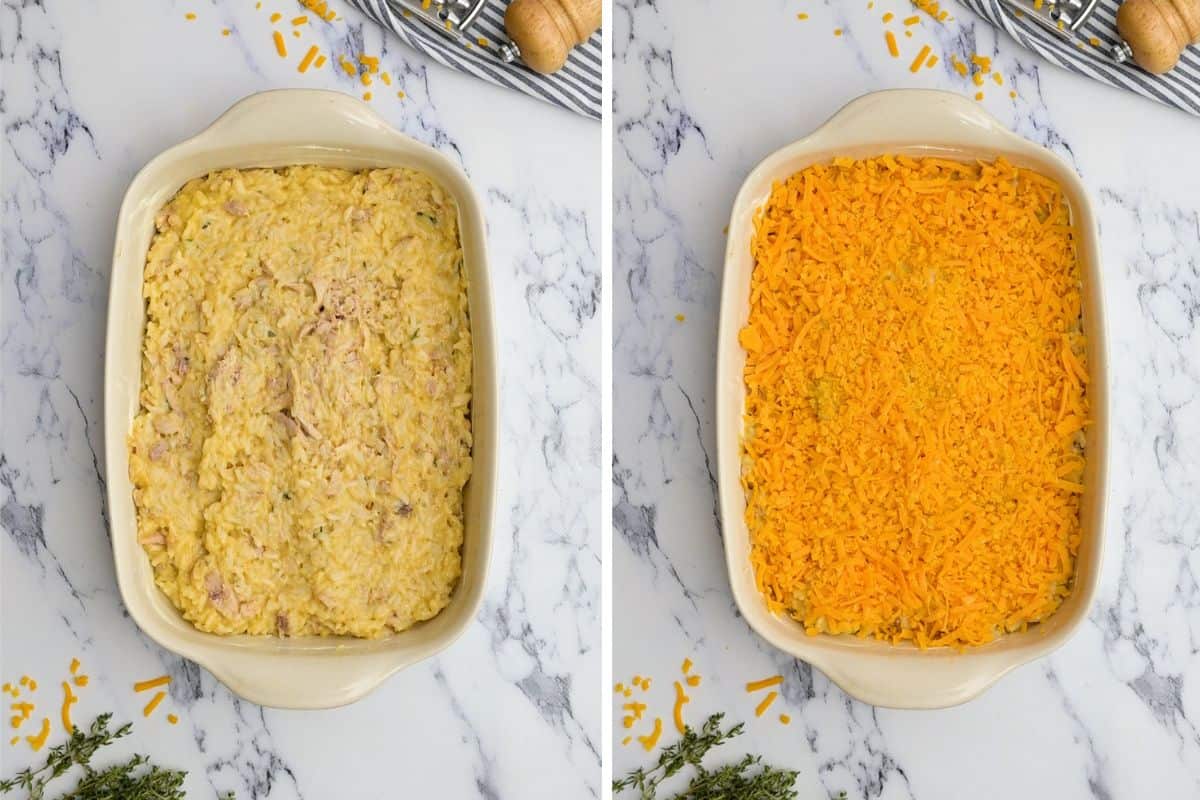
[1157, 31]
[544, 31]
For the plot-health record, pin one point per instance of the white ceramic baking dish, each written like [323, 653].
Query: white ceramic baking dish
[275, 129]
[916, 123]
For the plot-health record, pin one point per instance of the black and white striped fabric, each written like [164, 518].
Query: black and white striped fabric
[575, 87]
[1179, 88]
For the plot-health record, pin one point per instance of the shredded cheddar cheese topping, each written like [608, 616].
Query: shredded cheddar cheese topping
[915, 400]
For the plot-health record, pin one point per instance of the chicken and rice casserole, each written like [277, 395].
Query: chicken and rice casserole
[304, 435]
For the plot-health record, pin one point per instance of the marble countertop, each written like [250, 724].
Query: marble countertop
[92, 91]
[701, 97]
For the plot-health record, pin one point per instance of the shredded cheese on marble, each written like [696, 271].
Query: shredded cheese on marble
[680, 700]
[153, 704]
[764, 683]
[651, 739]
[152, 683]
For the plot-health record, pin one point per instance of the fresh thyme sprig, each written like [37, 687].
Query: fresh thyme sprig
[129, 781]
[136, 779]
[748, 779]
[690, 750]
[79, 749]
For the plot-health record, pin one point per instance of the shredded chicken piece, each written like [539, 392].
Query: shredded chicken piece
[220, 595]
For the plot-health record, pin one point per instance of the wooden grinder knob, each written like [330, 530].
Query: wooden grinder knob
[1157, 31]
[546, 30]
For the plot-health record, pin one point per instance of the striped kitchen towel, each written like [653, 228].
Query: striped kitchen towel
[1179, 88]
[575, 87]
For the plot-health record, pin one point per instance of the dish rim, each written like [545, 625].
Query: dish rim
[273, 129]
[914, 122]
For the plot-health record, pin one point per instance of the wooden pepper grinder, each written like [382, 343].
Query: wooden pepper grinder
[544, 31]
[1155, 32]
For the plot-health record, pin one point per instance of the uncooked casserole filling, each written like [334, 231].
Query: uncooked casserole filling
[304, 434]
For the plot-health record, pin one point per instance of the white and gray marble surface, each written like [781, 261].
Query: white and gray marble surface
[703, 91]
[91, 91]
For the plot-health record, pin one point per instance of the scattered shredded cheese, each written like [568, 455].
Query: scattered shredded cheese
[308, 59]
[320, 62]
[693, 680]
[913, 20]
[81, 680]
[280, 45]
[785, 719]
[651, 739]
[366, 96]
[762, 707]
[680, 700]
[686, 666]
[38, 740]
[626, 740]
[890, 38]
[888, 17]
[171, 718]
[764, 683]
[300, 20]
[920, 59]
[276, 17]
[153, 704]
[68, 698]
[152, 683]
